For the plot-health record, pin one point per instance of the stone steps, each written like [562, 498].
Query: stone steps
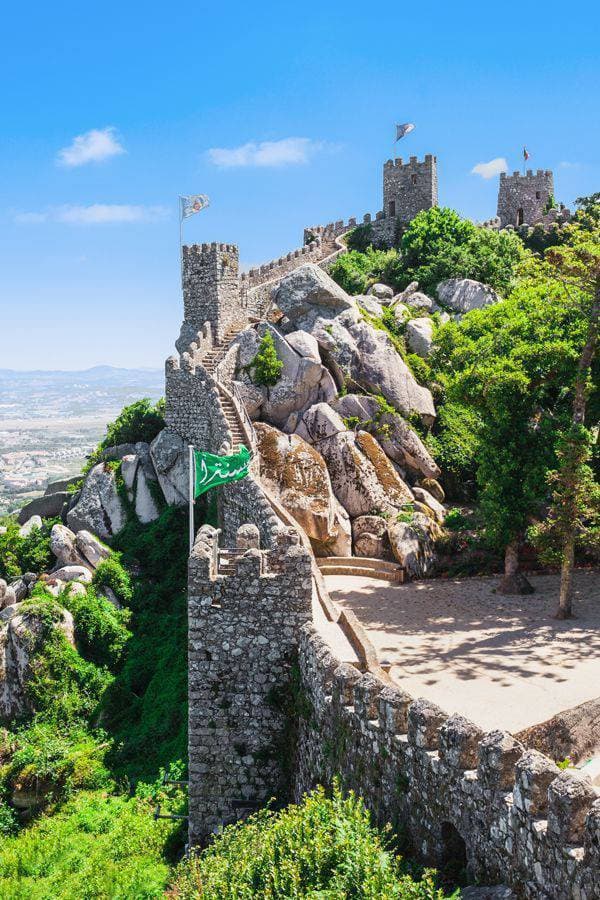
[364, 566]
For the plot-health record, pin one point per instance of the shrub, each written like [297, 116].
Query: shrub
[266, 364]
[438, 244]
[355, 271]
[100, 628]
[52, 762]
[30, 553]
[111, 573]
[140, 421]
[94, 846]
[320, 848]
[360, 238]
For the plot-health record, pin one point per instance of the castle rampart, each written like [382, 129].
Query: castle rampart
[211, 290]
[451, 788]
[245, 608]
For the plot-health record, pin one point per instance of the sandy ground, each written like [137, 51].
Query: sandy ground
[503, 662]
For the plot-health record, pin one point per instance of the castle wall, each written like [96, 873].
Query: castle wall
[192, 406]
[245, 613]
[522, 199]
[442, 782]
[409, 188]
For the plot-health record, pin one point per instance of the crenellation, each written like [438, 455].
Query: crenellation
[524, 198]
[435, 776]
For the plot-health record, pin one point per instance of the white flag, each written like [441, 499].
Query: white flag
[193, 204]
[403, 130]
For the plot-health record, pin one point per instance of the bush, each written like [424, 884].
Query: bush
[438, 244]
[266, 364]
[356, 271]
[111, 574]
[25, 554]
[100, 628]
[93, 847]
[53, 762]
[320, 848]
[140, 421]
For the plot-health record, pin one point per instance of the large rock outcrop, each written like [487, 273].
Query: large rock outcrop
[461, 295]
[298, 476]
[99, 508]
[362, 477]
[350, 347]
[169, 456]
[303, 380]
[21, 632]
[307, 294]
[419, 336]
[398, 440]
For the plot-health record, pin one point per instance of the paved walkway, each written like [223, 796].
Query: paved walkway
[501, 661]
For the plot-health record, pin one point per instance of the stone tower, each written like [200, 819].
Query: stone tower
[246, 609]
[522, 199]
[409, 187]
[211, 290]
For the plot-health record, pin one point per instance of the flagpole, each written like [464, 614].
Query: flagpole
[191, 495]
[180, 241]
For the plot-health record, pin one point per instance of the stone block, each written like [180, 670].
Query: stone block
[393, 709]
[534, 773]
[459, 739]
[366, 696]
[424, 722]
[498, 755]
[570, 797]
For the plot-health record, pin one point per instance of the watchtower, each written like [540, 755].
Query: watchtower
[523, 199]
[246, 608]
[211, 289]
[409, 187]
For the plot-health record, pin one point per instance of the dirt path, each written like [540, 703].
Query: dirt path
[501, 661]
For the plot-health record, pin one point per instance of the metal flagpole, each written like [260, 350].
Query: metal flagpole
[192, 499]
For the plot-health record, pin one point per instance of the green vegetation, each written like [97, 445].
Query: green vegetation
[437, 244]
[90, 839]
[140, 421]
[30, 553]
[320, 848]
[266, 364]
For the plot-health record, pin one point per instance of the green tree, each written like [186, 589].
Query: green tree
[511, 364]
[439, 244]
[576, 267]
[266, 364]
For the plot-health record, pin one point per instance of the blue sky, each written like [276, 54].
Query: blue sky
[89, 228]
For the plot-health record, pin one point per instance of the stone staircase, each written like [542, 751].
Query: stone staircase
[233, 422]
[361, 565]
[220, 348]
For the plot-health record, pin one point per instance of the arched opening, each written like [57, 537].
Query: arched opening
[520, 216]
[392, 207]
[454, 856]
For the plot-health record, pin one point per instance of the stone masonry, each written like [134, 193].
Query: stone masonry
[522, 199]
[458, 794]
[409, 187]
[211, 290]
[245, 608]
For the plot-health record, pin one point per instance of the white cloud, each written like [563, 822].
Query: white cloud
[569, 165]
[286, 152]
[93, 146]
[491, 168]
[95, 214]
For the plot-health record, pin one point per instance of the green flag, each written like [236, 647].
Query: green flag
[211, 470]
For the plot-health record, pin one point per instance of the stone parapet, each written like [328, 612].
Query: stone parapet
[451, 788]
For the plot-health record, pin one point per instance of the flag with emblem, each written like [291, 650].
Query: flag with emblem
[404, 129]
[192, 204]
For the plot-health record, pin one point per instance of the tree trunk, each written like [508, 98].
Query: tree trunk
[584, 366]
[514, 582]
[565, 610]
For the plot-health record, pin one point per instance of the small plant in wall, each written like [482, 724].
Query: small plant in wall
[266, 364]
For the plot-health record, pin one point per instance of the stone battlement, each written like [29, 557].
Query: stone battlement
[512, 812]
[245, 611]
[277, 268]
[413, 163]
[516, 175]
